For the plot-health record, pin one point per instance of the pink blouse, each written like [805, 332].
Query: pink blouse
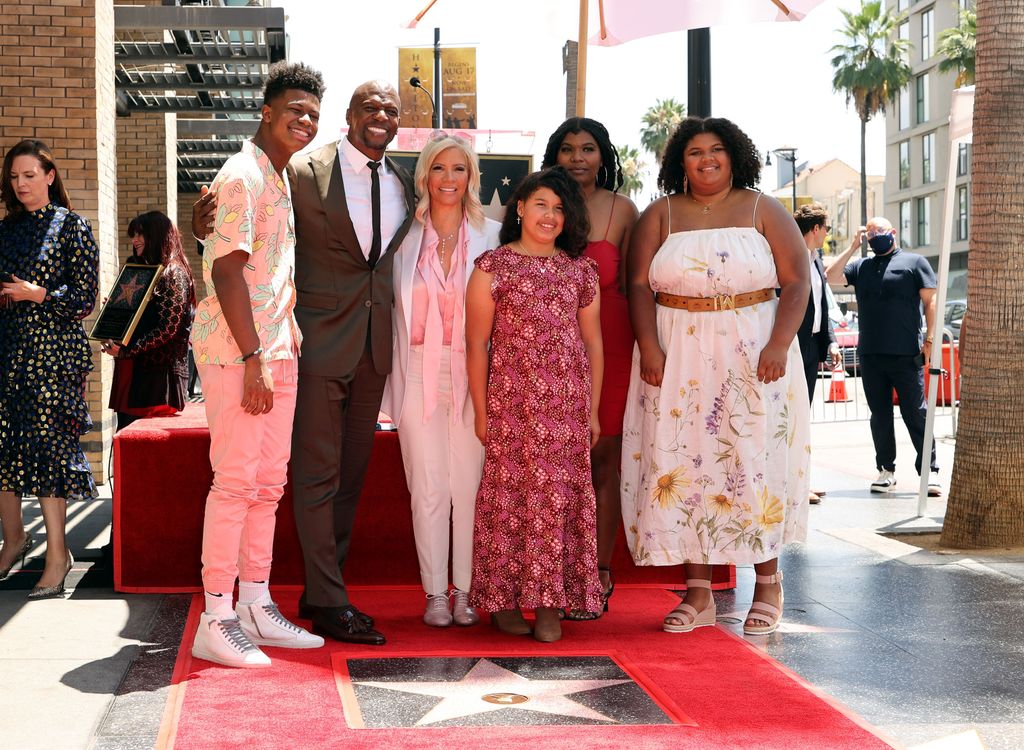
[438, 313]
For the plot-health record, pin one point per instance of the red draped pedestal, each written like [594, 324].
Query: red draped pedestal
[161, 478]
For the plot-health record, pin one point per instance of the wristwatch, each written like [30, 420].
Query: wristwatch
[254, 353]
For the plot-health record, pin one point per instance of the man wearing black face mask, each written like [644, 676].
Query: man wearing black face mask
[891, 287]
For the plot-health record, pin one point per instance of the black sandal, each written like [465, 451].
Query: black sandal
[584, 615]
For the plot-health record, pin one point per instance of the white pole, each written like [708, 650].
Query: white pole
[959, 132]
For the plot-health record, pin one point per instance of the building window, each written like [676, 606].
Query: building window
[921, 98]
[927, 33]
[904, 227]
[924, 222]
[904, 105]
[904, 164]
[964, 4]
[963, 166]
[902, 5]
[904, 31]
[961, 213]
[928, 158]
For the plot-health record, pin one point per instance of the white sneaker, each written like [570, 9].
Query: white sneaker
[885, 482]
[264, 624]
[934, 488]
[224, 642]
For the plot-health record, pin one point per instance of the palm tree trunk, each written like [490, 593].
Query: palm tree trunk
[986, 497]
[863, 183]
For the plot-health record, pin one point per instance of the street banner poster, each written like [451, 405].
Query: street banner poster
[126, 302]
[499, 176]
[458, 87]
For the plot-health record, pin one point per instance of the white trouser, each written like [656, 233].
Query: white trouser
[443, 463]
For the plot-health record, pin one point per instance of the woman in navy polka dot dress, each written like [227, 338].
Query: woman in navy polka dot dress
[49, 262]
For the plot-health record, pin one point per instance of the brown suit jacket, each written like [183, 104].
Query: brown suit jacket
[339, 296]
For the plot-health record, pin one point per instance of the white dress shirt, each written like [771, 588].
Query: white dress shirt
[356, 176]
[816, 293]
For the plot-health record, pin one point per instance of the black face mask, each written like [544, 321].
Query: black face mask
[881, 244]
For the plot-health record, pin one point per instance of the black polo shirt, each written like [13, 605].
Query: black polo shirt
[888, 290]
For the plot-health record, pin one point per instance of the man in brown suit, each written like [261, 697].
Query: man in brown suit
[353, 207]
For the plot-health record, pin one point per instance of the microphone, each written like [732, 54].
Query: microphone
[416, 83]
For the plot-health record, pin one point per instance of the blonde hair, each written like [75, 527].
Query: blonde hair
[471, 201]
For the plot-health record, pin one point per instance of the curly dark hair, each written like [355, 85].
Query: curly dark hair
[31, 147]
[576, 227]
[285, 75]
[746, 161]
[609, 176]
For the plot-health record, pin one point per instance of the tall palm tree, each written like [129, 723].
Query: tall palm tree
[870, 67]
[633, 170]
[660, 121]
[986, 496]
[956, 46]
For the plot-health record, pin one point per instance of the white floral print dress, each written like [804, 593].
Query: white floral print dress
[714, 463]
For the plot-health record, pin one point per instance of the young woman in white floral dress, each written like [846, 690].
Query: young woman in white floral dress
[716, 435]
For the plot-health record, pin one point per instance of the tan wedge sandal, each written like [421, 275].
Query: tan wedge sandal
[765, 612]
[687, 616]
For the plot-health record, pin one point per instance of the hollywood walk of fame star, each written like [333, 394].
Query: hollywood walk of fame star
[127, 292]
[489, 687]
[506, 181]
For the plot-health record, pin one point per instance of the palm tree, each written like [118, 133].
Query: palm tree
[871, 68]
[956, 45]
[633, 170]
[660, 121]
[986, 496]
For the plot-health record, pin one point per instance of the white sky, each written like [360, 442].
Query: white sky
[774, 80]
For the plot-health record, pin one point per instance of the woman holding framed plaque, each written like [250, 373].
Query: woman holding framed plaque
[151, 372]
[50, 265]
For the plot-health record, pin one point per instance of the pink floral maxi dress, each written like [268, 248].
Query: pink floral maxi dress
[714, 462]
[534, 534]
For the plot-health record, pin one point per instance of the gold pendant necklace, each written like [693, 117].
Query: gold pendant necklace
[442, 245]
[705, 208]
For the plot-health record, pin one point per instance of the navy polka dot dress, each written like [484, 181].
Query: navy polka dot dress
[45, 355]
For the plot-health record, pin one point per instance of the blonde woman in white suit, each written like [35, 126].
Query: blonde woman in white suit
[427, 391]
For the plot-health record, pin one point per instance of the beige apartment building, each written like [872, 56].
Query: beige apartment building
[917, 144]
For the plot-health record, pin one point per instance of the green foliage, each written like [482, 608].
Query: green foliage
[633, 170]
[660, 121]
[871, 66]
[956, 45]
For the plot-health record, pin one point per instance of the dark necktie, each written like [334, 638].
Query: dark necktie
[375, 208]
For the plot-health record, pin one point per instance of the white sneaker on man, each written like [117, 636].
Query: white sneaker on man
[885, 482]
[264, 624]
[934, 488]
[224, 642]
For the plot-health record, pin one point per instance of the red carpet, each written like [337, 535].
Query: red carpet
[715, 689]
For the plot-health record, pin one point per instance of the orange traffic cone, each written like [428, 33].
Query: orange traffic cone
[837, 391]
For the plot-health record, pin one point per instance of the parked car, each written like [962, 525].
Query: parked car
[954, 315]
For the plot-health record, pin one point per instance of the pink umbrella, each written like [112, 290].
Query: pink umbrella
[625, 20]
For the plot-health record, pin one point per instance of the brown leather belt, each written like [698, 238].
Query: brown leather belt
[712, 304]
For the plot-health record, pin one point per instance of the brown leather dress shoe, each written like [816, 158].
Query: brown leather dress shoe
[345, 624]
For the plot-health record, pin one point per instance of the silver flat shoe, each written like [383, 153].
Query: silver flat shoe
[437, 614]
[22, 554]
[463, 614]
[51, 592]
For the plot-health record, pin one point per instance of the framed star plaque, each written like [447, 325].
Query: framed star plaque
[128, 298]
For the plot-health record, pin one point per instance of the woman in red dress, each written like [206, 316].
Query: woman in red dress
[582, 146]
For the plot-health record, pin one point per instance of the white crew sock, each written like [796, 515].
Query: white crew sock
[251, 592]
[219, 606]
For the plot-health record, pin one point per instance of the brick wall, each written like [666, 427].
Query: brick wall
[57, 84]
[146, 169]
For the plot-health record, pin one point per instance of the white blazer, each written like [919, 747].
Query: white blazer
[406, 258]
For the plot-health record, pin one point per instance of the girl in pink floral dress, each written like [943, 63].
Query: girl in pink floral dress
[534, 359]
